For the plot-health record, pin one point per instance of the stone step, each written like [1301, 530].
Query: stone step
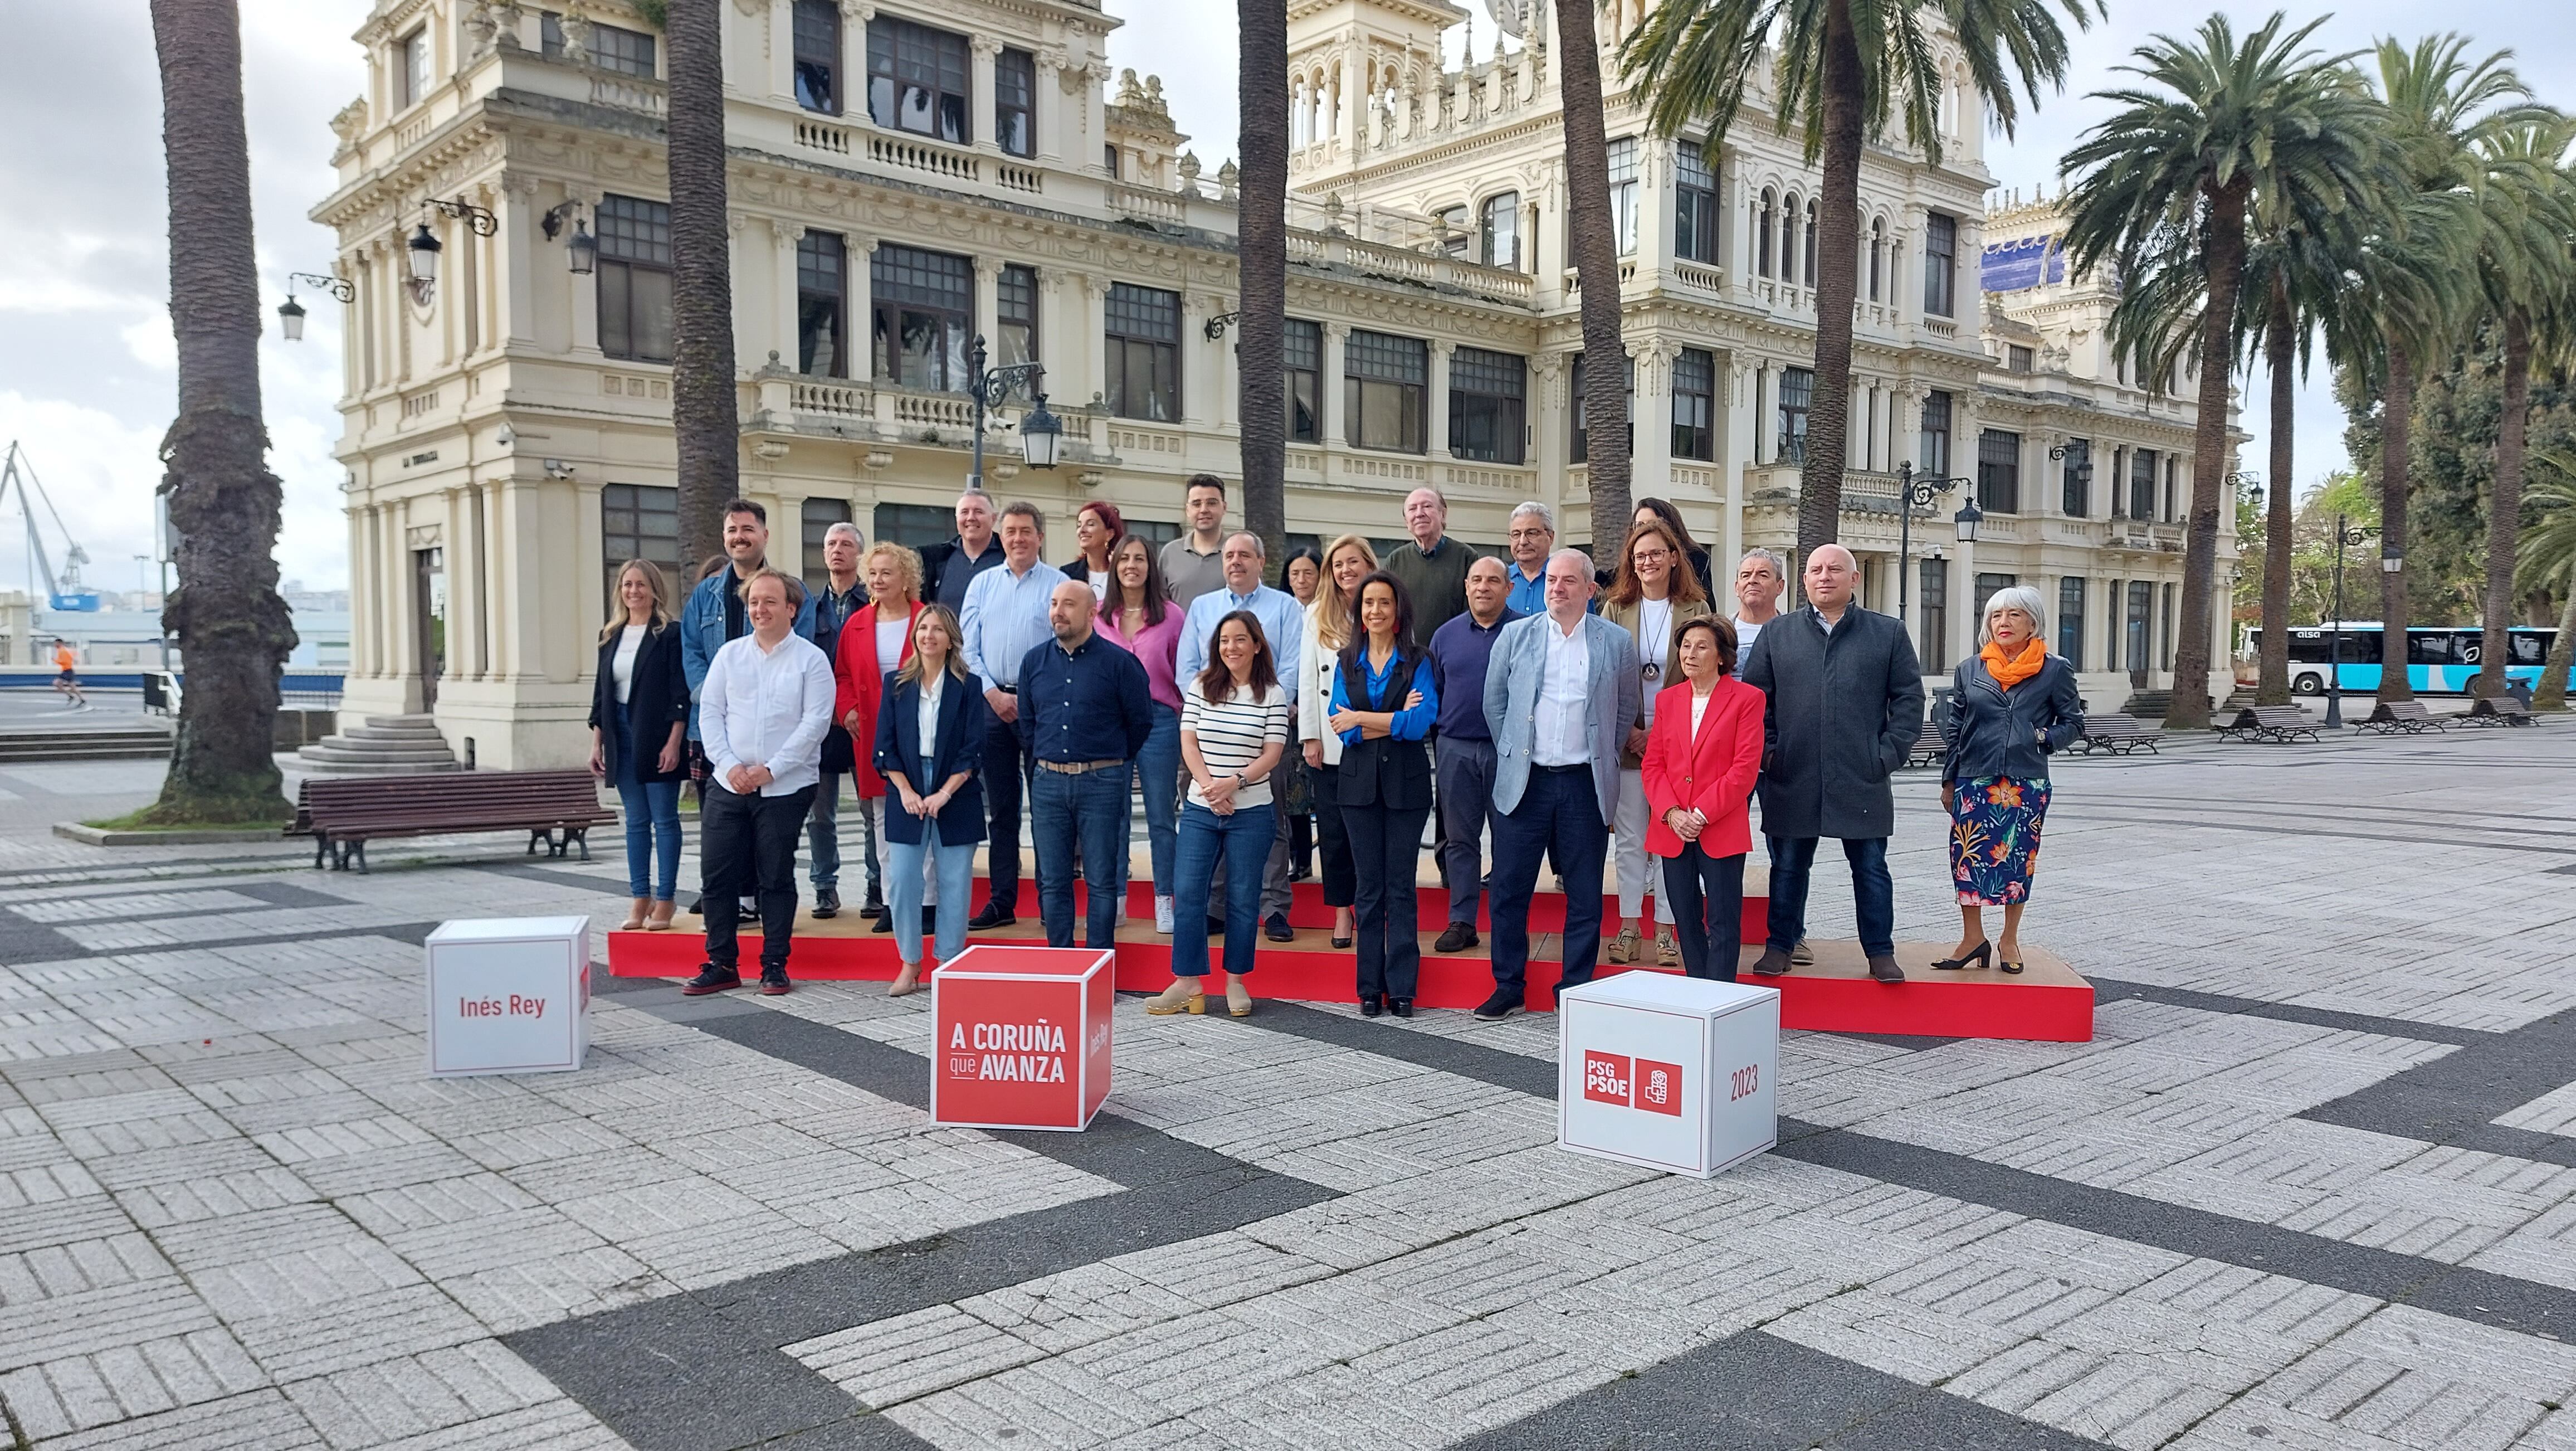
[402, 722]
[336, 748]
[392, 735]
[85, 745]
[312, 766]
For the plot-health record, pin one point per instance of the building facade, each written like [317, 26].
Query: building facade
[907, 178]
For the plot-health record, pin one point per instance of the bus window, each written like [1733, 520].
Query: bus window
[2427, 648]
[2527, 647]
[2307, 647]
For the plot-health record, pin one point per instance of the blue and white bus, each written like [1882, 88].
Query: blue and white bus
[2440, 659]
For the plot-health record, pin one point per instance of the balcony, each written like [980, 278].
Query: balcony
[1406, 264]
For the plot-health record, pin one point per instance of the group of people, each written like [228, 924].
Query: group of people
[1536, 700]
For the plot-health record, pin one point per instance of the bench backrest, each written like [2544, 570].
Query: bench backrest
[2114, 723]
[507, 797]
[2499, 705]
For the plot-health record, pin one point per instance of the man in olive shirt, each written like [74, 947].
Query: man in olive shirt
[1194, 564]
[1433, 567]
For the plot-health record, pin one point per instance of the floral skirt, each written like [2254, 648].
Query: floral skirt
[1994, 838]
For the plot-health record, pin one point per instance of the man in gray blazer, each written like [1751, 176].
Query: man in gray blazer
[1560, 693]
[1845, 707]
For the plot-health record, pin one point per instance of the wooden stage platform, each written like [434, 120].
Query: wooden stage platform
[2050, 1002]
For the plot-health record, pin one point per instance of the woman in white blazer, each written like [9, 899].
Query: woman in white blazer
[1329, 622]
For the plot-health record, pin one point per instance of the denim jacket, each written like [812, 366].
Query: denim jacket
[702, 632]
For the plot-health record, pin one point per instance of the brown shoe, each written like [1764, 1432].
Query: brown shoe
[1774, 963]
[1623, 948]
[1668, 953]
[1804, 954]
[1886, 970]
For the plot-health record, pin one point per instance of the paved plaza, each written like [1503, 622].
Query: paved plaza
[2312, 1186]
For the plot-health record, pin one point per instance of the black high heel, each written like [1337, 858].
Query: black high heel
[1982, 955]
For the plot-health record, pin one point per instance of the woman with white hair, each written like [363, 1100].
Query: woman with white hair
[2011, 706]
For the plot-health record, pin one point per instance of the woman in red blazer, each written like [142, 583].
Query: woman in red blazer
[874, 643]
[1702, 754]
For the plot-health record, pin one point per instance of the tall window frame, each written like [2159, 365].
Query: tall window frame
[1940, 264]
[1015, 102]
[1877, 257]
[1301, 357]
[1762, 229]
[1933, 589]
[1696, 227]
[920, 80]
[627, 52]
[411, 69]
[1791, 206]
[1797, 401]
[2070, 619]
[1622, 154]
[1999, 471]
[1932, 448]
[633, 281]
[1488, 406]
[1498, 235]
[822, 305]
[1695, 405]
[2142, 484]
[817, 39]
[921, 317]
[1807, 272]
[1142, 327]
[639, 521]
[1015, 315]
[2075, 489]
[1386, 385]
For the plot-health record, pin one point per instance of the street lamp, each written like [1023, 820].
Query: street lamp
[423, 249]
[582, 251]
[1912, 494]
[290, 313]
[1041, 432]
[2345, 537]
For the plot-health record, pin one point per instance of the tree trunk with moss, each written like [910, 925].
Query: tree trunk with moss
[232, 628]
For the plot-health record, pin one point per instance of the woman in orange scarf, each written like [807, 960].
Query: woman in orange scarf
[2011, 705]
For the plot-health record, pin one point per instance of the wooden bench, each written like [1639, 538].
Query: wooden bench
[2402, 717]
[2499, 710]
[1929, 748]
[557, 808]
[2272, 724]
[2115, 734]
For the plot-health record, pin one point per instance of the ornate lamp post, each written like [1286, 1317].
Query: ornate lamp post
[290, 313]
[1912, 494]
[423, 249]
[2345, 537]
[1041, 432]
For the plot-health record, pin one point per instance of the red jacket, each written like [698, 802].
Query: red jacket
[1711, 772]
[858, 679]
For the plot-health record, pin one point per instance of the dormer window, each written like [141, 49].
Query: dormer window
[2017, 358]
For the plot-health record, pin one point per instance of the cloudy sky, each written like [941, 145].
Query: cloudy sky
[86, 380]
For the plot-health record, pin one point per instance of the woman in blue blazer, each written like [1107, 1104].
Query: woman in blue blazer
[930, 738]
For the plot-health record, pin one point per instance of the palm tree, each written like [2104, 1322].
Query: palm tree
[1261, 253]
[705, 421]
[223, 501]
[1596, 263]
[2548, 561]
[2524, 270]
[2176, 175]
[2442, 110]
[1841, 66]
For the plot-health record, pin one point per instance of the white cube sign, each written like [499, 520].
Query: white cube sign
[509, 995]
[1667, 1071]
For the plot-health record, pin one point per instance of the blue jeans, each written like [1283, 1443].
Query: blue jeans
[1873, 892]
[1559, 815]
[956, 868]
[1158, 778]
[1243, 840]
[652, 811]
[1088, 810]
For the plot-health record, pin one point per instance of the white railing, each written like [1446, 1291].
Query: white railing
[921, 156]
[1382, 260]
[1020, 178]
[831, 400]
[629, 93]
[934, 410]
[819, 137]
[1143, 205]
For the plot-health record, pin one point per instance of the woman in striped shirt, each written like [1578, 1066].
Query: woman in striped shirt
[1234, 727]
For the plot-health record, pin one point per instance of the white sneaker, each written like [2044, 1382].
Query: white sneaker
[1163, 915]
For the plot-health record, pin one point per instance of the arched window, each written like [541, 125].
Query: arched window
[1762, 232]
[1789, 239]
[1877, 255]
[1811, 242]
[1498, 238]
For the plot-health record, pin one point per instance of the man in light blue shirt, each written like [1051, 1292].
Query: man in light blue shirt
[1533, 537]
[1004, 619]
[1283, 624]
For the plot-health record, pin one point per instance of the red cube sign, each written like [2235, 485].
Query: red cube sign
[1640, 1083]
[1022, 1037]
[1659, 1087]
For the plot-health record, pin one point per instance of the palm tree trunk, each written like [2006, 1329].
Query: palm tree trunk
[2504, 508]
[223, 501]
[2397, 415]
[705, 422]
[2280, 348]
[1262, 256]
[1820, 476]
[1596, 258]
[2552, 694]
[2226, 273]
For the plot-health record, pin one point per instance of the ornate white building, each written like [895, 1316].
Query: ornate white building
[908, 176]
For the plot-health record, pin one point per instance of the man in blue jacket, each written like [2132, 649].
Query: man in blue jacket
[716, 612]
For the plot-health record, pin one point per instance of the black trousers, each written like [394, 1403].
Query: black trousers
[1005, 778]
[1384, 845]
[1708, 910]
[747, 847]
[1332, 839]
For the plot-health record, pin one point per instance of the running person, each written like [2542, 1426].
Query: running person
[67, 676]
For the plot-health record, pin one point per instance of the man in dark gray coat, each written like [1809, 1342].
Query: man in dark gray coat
[1845, 707]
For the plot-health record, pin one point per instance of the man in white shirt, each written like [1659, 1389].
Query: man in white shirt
[762, 711]
[1561, 691]
[1005, 617]
[1758, 581]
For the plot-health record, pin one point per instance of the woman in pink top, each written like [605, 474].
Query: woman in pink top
[1135, 613]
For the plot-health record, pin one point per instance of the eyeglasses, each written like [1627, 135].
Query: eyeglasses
[1656, 555]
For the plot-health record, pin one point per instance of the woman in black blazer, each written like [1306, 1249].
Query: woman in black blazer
[930, 738]
[639, 721]
[1383, 706]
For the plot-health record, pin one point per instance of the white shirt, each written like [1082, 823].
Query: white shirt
[1746, 632]
[1699, 707]
[1654, 644]
[890, 642]
[931, 688]
[1562, 728]
[767, 708]
[622, 667]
